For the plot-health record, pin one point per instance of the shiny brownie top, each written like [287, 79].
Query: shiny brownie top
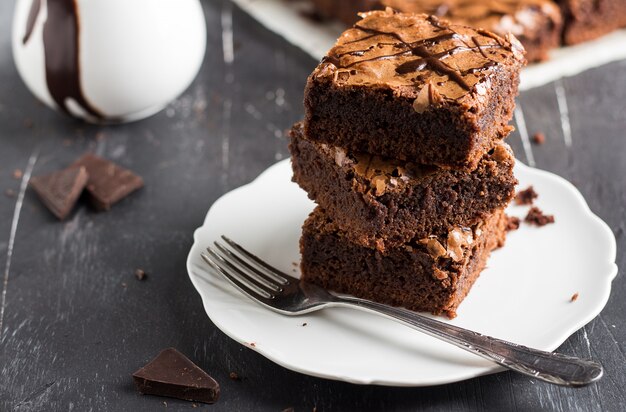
[419, 56]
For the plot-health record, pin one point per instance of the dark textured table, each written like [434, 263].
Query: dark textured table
[75, 323]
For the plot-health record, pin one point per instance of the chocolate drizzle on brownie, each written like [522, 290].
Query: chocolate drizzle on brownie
[442, 42]
[467, 9]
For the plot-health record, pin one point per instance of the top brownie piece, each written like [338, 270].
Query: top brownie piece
[413, 87]
[536, 23]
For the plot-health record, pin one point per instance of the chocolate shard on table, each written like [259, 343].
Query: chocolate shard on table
[537, 24]
[59, 191]
[433, 274]
[173, 375]
[381, 202]
[588, 19]
[413, 87]
[108, 183]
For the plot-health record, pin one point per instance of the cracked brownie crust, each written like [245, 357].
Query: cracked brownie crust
[536, 23]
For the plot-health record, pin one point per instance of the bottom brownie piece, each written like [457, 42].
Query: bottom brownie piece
[433, 274]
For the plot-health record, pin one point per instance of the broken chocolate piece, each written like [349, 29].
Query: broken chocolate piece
[536, 217]
[173, 375]
[60, 191]
[526, 196]
[108, 183]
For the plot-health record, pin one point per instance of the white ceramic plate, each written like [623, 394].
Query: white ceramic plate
[523, 295]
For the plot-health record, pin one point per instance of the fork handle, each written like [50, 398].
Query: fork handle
[546, 366]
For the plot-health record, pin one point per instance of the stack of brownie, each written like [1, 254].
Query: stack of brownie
[402, 149]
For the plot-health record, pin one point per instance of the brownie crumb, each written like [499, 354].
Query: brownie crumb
[17, 174]
[140, 274]
[304, 324]
[234, 376]
[539, 138]
[574, 297]
[253, 344]
[536, 217]
[512, 223]
[9, 193]
[526, 196]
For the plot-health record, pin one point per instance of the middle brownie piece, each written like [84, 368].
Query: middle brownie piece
[381, 202]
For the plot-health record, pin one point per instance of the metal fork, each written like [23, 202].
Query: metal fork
[289, 296]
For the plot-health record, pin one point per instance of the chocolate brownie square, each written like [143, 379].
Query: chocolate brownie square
[382, 202]
[433, 274]
[537, 24]
[588, 19]
[344, 10]
[411, 86]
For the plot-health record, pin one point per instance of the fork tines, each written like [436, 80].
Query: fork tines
[246, 271]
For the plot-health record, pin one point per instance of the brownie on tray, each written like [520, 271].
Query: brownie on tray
[536, 23]
[411, 86]
[433, 274]
[344, 10]
[589, 19]
[382, 202]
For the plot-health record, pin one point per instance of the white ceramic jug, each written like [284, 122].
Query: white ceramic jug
[108, 60]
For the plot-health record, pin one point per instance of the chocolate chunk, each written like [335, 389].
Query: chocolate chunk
[108, 183]
[526, 196]
[173, 375]
[536, 217]
[574, 297]
[60, 191]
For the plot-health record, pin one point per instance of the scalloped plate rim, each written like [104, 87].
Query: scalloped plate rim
[451, 378]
